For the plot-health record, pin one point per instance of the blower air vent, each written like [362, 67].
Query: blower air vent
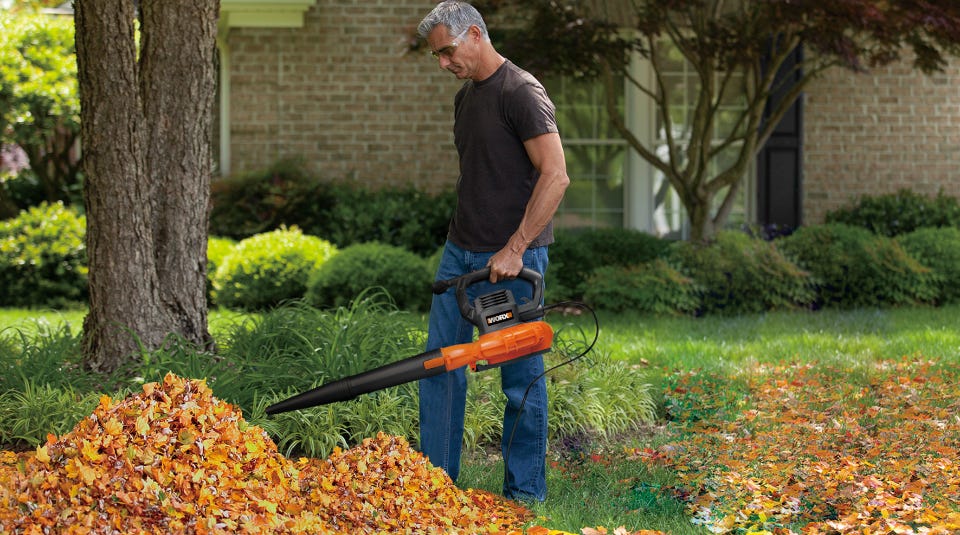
[494, 299]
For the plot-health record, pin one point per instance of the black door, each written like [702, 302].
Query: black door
[780, 161]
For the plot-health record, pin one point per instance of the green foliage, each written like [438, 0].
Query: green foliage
[28, 414]
[266, 269]
[400, 216]
[344, 214]
[43, 259]
[404, 275]
[39, 100]
[581, 402]
[654, 287]
[300, 347]
[576, 253]
[217, 249]
[261, 201]
[939, 250]
[855, 268]
[740, 274]
[900, 213]
[583, 399]
[43, 387]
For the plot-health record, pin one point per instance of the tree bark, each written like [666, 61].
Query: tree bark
[145, 130]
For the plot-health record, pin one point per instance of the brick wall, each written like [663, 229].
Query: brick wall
[879, 132]
[341, 92]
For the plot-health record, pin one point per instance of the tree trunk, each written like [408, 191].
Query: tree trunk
[702, 227]
[146, 140]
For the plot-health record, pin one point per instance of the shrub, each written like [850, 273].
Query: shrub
[577, 253]
[400, 216]
[260, 201]
[43, 260]
[581, 401]
[404, 275]
[740, 274]
[217, 249]
[900, 213]
[345, 214]
[654, 287]
[263, 270]
[939, 250]
[855, 268]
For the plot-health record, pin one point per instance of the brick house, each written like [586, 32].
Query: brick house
[332, 81]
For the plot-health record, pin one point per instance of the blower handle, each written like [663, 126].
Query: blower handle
[531, 310]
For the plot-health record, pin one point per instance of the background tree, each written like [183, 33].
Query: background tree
[39, 106]
[734, 48]
[146, 132]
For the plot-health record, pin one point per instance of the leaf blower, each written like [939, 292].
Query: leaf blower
[507, 330]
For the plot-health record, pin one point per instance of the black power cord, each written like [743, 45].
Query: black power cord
[523, 400]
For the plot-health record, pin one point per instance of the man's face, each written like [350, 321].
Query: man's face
[454, 52]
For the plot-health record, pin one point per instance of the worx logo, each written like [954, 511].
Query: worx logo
[493, 320]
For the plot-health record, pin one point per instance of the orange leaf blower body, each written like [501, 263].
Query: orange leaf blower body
[504, 337]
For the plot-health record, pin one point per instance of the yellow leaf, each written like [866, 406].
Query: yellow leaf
[90, 451]
[113, 427]
[42, 454]
[142, 425]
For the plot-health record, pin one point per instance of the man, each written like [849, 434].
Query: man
[512, 179]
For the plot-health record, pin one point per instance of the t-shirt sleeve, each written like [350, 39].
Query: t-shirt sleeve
[530, 111]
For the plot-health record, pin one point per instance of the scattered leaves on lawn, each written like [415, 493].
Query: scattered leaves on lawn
[808, 449]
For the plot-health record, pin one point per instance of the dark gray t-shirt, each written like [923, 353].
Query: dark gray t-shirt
[492, 119]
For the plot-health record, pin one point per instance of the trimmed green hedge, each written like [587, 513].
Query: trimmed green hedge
[939, 250]
[264, 270]
[43, 258]
[856, 268]
[899, 213]
[286, 194]
[654, 287]
[577, 253]
[401, 273]
[741, 274]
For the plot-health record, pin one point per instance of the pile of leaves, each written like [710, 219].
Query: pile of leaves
[817, 449]
[175, 459]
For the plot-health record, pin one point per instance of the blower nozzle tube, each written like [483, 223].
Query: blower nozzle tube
[404, 371]
[490, 350]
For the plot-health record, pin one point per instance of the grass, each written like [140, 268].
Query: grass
[584, 492]
[591, 482]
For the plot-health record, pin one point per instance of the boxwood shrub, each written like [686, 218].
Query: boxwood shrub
[286, 194]
[577, 252]
[264, 270]
[939, 250]
[401, 273]
[855, 268]
[653, 287]
[899, 213]
[217, 249]
[43, 257]
[741, 274]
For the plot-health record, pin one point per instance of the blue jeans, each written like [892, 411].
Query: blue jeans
[443, 397]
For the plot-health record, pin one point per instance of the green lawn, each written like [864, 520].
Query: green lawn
[606, 482]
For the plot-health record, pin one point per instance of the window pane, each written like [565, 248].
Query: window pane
[595, 153]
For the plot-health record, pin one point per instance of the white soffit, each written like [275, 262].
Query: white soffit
[263, 13]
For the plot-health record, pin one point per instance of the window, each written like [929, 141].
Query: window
[611, 185]
[682, 86]
[595, 154]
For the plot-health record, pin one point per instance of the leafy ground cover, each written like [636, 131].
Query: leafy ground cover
[813, 448]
